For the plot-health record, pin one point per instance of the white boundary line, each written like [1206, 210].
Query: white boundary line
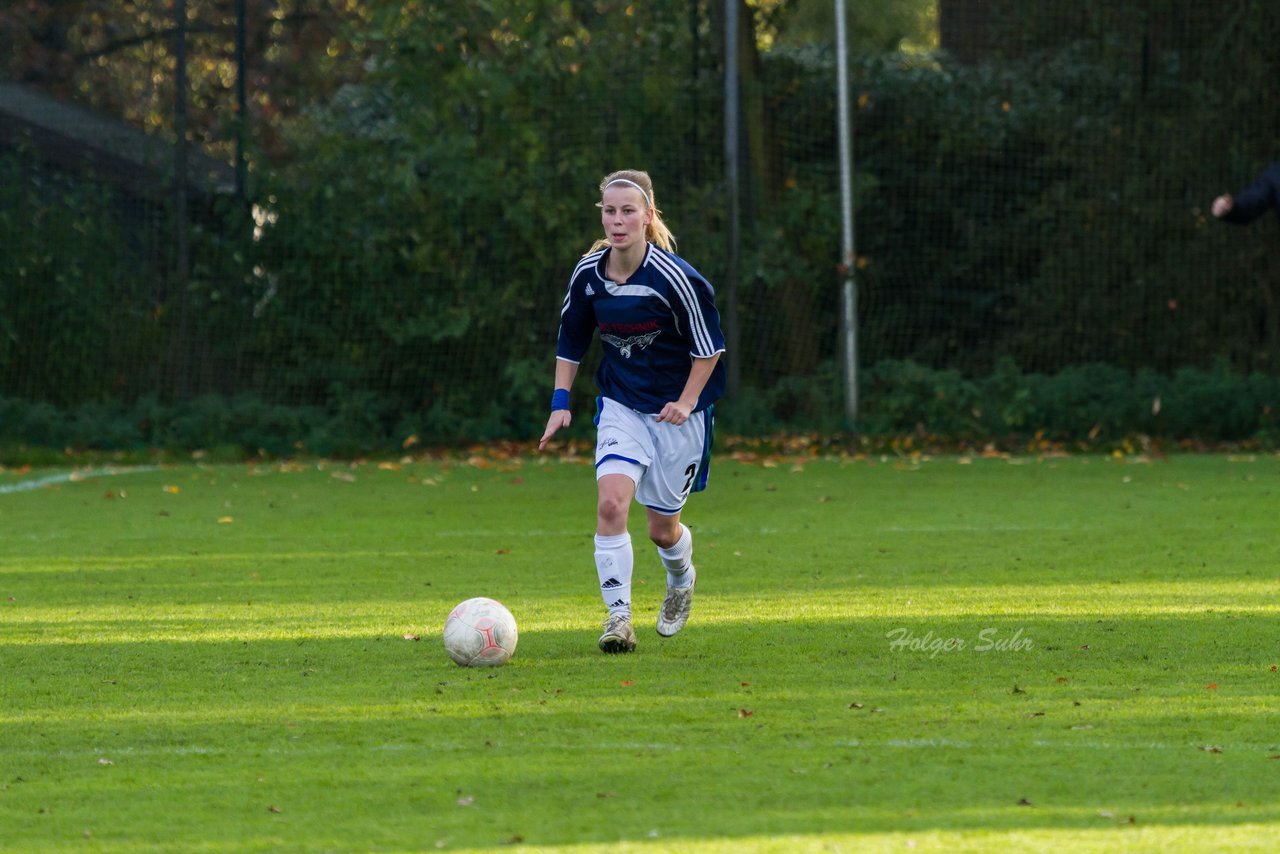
[70, 477]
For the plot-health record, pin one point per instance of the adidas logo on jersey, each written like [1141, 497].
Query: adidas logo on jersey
[590, 291]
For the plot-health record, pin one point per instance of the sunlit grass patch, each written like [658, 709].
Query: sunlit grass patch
[1058, 653]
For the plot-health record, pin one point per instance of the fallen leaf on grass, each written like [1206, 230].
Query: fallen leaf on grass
[105, 761]
[745, 713]
[1023, 802]
[172, 489]
[274, 808]
[226, 520]
[1209, 748]
[1212, 686]
[411, 637]
[1062, 680]
[466, 801]
[345, 476]
[855, 705]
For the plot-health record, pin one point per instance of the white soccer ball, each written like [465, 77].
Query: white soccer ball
[480, 632]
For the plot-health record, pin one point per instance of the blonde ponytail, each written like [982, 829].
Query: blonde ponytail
[656, 232]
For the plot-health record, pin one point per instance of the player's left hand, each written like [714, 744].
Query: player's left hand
[675, 413]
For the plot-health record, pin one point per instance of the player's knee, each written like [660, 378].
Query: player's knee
[611, 511]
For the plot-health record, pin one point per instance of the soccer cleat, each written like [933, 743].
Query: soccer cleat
[618, 635]
[676, 607]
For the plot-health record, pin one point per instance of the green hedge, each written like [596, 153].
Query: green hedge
[1089, 404]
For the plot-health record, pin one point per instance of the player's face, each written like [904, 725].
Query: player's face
[624, 216]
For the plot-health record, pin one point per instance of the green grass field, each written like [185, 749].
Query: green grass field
[1068, 653]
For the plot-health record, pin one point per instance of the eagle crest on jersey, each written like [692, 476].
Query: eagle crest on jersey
[625, 345]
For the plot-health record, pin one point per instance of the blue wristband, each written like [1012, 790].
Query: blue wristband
[560, 399]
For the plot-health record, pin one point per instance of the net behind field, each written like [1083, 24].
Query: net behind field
[1035, 194]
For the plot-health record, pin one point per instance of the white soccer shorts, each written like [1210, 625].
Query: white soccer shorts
[666, 461]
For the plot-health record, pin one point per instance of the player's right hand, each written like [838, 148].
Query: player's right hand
[1222, 206]
[559, 418]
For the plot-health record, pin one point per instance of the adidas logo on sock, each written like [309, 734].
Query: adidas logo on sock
[611, 584]
[618, 604]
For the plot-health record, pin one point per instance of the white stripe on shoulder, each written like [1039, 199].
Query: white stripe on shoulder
[591, 257]
[684, 289]
[588, 260]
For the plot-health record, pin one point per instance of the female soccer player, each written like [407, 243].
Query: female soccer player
[658, 378]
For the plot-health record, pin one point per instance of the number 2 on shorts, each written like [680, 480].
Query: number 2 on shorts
[688, 481]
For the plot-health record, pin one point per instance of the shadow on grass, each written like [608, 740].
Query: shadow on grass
[733, 730]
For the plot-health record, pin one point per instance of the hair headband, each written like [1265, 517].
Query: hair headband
[648, 200]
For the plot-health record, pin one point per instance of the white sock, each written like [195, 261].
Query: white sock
[679, 559]
[614, 563]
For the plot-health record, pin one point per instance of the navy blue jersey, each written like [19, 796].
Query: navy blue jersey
[1259, 197]
[651, 327]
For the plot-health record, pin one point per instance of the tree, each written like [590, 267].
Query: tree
[118, 57]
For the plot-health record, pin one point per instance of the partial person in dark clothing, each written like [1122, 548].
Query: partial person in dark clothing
[1249, 204]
